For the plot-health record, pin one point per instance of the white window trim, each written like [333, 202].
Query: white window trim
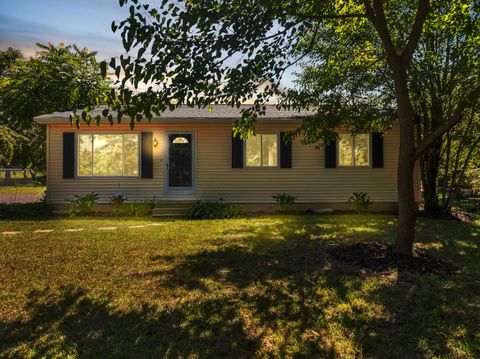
[369, 165]
[261, 151]
[139, 154]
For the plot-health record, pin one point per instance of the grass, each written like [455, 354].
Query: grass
[22, 189]
[255, 287]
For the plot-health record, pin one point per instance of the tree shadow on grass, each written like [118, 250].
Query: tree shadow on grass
[259, 296]
[75, 323]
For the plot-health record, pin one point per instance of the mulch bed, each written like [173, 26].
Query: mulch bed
[459, 216]
[379, 257]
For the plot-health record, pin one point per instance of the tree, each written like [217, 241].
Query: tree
[57, 78]
[7, 58]
[7, 144]
[459, 159]
[214, 51]
[444, 71]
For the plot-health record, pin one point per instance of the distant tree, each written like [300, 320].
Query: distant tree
[7, 58]
[214, 51]
[459, 164]
[445, 89]
[58, 78]
[8, 140]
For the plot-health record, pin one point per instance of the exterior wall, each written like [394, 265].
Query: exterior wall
[308, 180]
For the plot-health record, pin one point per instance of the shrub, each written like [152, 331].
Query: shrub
[214, 210]
[117, 199]
[82, 205]
[136, 209]
[285, 201]
[360, 202]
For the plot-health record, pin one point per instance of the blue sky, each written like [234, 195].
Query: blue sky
[86, 23]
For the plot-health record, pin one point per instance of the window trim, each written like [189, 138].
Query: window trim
[261, 152]
[367, 166]
[139, 154]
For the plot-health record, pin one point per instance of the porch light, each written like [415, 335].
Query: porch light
[155, 143]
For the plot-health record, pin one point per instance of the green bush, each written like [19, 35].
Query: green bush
[117, 202]
[136, 209]
[285, 201]
[214, 210]
[360, 202]
[82, 205]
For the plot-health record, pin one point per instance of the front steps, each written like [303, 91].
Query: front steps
[171, 209]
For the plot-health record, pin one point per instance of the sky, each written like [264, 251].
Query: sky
[83, 22]
[86, 23]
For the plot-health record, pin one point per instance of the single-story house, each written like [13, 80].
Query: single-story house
[191, 154]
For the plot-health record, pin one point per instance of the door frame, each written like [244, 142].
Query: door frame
[180, 190]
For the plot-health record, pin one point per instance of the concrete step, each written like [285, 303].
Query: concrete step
[171, 208]
[167, 216]
[178, 204]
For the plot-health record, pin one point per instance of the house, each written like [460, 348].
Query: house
[190, 154]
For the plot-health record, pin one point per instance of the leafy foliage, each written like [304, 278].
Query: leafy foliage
[7, 145]
[458, 163]
[360, 202]
[57, 78]
[285, 201]
[117, 200]
[135, 209]
[7, 58]
[214, 210]
[355, 58]
[82, 205]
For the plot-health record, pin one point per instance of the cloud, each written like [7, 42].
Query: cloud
[24, 35]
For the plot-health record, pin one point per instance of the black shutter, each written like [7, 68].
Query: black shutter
[147, 155]
[285, 151]
[377, 150]
[237, 151]
[68, 155]
[331, 154]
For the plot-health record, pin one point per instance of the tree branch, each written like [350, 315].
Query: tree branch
[320, 17]
[457, 116]
[420, 17]
[376, 15]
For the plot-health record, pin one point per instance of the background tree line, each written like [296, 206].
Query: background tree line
[57, 78]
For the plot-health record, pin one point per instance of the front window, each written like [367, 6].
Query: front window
[261, 150]
[108, 155]
[353, 150]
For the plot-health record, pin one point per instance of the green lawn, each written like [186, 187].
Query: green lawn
[255, 287]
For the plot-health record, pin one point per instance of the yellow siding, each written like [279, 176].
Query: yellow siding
[308, 180]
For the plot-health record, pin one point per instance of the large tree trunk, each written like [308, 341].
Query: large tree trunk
[431, 165]
[406, 194]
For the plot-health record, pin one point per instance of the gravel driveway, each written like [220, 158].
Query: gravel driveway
[20, 198]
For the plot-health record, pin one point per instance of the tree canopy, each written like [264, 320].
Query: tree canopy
[355, 56]
[57, 78]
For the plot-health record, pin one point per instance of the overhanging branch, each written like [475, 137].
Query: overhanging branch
[457, 116]
[420, 17]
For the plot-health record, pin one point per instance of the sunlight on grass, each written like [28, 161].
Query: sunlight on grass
[245, 287]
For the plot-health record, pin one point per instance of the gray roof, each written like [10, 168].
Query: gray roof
[185, 113]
